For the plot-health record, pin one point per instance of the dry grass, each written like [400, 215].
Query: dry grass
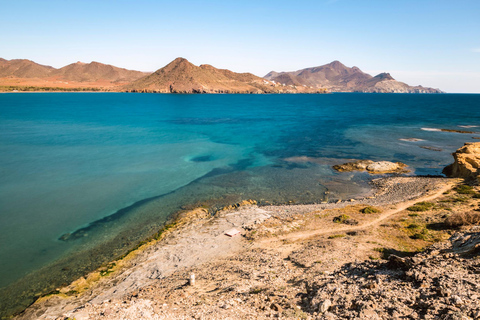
[460, 219]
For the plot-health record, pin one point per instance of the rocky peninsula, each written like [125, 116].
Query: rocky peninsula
[409, 251]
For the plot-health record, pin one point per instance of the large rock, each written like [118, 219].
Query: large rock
[467, 163]
[384, 166]
[373, 167]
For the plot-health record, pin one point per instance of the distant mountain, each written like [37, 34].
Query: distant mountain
[95, 71]
[336, 77]
[22, 68]
[27, 72]
[181, 76]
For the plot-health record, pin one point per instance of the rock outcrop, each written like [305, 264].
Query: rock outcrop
[373, 167]
[441, 283]
[467, 163]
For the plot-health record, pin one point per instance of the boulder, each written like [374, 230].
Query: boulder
[384, 167]
[466, 163]
[373, 167]
[325, 306]
[359, 165]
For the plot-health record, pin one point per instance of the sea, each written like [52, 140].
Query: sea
[86, 177]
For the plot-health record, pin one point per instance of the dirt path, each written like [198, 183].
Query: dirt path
[385, 215]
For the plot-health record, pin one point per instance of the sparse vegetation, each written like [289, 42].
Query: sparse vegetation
[257, 290]
[296, 314]
[460, 219]
[33, 88]
[370, 209]
[341, 219]
[421, 206]
[421, 235]
[464, 189]
[107, 270]
[333, 236]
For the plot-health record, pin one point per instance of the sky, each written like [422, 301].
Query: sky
[435, 43]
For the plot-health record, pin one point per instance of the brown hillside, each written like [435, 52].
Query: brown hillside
[19, 74]
[181, 76]
[94, 71]
[335, 76]
[22, 68]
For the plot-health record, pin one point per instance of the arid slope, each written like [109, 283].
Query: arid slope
[181, 76]
[335, 76]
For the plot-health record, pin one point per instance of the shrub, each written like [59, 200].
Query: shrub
[341, 219]
[462, 219]
[464, 189]
[333, 236]
[370, 209]
[421, 206]
[419, 236]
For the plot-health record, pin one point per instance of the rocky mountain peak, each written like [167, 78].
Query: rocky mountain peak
[336, 65]
[384, 76]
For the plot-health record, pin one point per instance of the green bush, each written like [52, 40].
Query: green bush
[341, 219]
[333, 236]
[370, 209]
[464, 189]
[421, 206]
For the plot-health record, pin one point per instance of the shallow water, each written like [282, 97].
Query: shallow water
[86, 176]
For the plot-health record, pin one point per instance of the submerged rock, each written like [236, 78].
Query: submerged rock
[467, 163]
[373, 167]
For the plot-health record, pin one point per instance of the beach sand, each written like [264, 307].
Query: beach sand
[152, 281]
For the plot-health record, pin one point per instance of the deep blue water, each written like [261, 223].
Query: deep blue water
[70, 161]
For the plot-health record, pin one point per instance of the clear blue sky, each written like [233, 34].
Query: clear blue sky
[430, 42]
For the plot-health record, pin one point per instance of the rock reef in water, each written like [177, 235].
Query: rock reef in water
[372, 167]
[466, 164]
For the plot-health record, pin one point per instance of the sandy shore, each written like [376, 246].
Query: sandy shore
[199, 240]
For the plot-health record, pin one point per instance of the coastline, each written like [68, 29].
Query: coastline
[179, 247]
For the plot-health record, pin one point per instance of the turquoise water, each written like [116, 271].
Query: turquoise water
[86, 176]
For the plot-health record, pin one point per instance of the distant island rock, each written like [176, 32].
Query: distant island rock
[336, 77]
[181, 76]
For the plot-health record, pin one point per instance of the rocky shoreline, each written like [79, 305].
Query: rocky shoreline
[409, 251]
[200, 240]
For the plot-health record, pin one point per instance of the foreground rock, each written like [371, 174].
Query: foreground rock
[373, 167]
[441, 283]
[467, 163]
